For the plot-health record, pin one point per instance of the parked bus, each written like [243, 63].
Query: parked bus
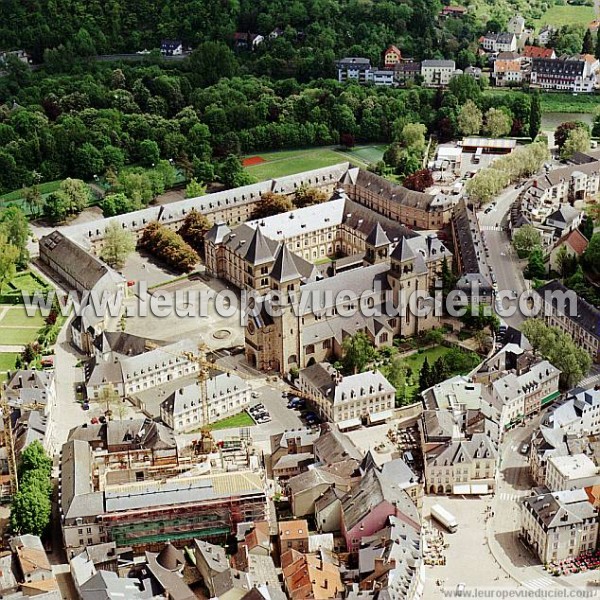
[447, 519]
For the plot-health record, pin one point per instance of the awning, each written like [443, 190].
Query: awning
[479, 488]
[381, 417]
[460, 489]
[349, 424]
[550, 397]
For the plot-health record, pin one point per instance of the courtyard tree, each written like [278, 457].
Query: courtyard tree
[486, 184]
[30, 511]
[195, 188]
[270, 204]
[168, 247]
[497, 123]
[419, 180]
[536, 268]
[525, 239]
[194, 226]
[119, 243]
[563, 131]
[591, 257]
[307, 196]
[578, 140]
[34, 457]
[358, 352]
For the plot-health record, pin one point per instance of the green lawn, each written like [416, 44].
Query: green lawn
[557, 102]
[242, 419]
[7, 363]
[566, 15]
[17, 317]
[26, 282]
[16, 328]
[290, 162]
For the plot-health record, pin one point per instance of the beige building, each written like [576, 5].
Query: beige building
[570, 472]
[341, 399]
[437, 72]
[559, 525]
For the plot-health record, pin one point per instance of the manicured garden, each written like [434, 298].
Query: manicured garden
[242, 419]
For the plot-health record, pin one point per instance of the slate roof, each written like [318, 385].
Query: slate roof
[560, 509]
[259, 251]
[588, 317]
[558, 67]
[334, 446]
[285, 269]
[217, 233]
[464, 451]
[403, 252]
[377, 237]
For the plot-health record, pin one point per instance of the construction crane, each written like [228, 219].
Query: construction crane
[204, 367]
[9, 442]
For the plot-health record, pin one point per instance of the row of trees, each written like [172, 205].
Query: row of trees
[168, 247]
[523, 162]
[560, 349]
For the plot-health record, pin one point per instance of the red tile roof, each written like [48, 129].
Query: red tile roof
[537, 52]
[577, 241]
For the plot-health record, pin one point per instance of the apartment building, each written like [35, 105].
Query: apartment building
[346, 400]
[437, 73]
[559, 525]
[571, 472]
[579, 414]
[226, 395]
[570, 74]
[353, 68]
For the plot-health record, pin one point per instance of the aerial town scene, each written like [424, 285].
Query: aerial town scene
[299, 300]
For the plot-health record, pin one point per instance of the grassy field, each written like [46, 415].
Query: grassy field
[26, 282]
[566, 15]
[242, 419]
[558, 102]
[16, 328]
[7, 363]
[290, 162]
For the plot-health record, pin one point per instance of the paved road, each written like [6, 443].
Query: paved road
[502, 258]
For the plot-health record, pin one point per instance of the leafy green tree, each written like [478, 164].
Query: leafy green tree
[536, 269]
[497, 123]
[307, 196]
[195, 188]
[119, 243]
[425, 376]
[435, 336]
[464, 88]
[88, 161]
[412, 137]
[588, 43]
[117, 204]
[233, 174]
[358, 352]
[169, 247]
[487, 184]
[15, 225]
[578, 140]
[149, 153]
[271, 204]
[34, 200]
[211, 61]
[597, 48]
[525, 239]
[9, 257]
[535, 119]
[35, 458]
[591, 257]
[30, 511]
[470, 119]
[77, 194]
[397, 374]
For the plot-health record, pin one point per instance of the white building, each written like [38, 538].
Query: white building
[346, 400]
[559, 525]
[499, 42]
[437, 72]
[570, 472]
[226, 395]
[579, 414]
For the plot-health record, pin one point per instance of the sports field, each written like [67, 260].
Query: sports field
[290, 162]
[16, 328]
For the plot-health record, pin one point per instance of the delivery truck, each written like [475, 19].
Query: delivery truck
[446, 518]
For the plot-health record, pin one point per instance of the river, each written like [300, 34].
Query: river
[550, 121]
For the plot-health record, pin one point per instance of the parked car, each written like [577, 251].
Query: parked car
[255, 395]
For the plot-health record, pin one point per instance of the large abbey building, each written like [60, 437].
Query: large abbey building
[321, 264]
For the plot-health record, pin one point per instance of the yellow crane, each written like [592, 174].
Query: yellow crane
[205, 365]
[9, 442]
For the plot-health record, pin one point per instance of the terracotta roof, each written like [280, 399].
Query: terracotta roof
[537, 52]
[503, 66]
[293, 530]
[577, 241]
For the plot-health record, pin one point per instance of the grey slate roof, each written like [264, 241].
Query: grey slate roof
[403, 252]
[561, 509]
[259, 251]
[285, 269]
[217, 233]
[377, 237]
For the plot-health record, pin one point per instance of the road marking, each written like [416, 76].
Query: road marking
[491, 228]
[539, 583]
[506, 496]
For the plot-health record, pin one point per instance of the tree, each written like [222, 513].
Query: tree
[536, 269]
[412, 137]
[169, 247]
[425, 376]
[588, 43]
[109, 399]
[307, 196]
[34, 457]
[397, 374]
[77, 194]
[562, 259]
[578, 140]
[470, 119]
[487, 184]
[435, 336]
[148, 152]
[119, 243]
[564, 129]
[233, 174]
[497, 123]
[464, 88]
[56, 207]
[271, 204]
[448, 278]
[419, 180]
[88, 161]
[525, 239]
[33, 199]
[15, 225]
[194, 226]
[358, 352]
[211, 61]
[195, 188]
[597, 49]
[30, 511]
[591, 257]
[118, 204]
[535, 115]
[9, 257]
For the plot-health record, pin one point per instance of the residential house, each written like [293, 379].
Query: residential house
[578, 318]
[499, 42]
[559, 525]
[453, 11]
[171, 47]
[328, 510]
[367, 507]
[8, 582]
[574, 244]
[34, 568]
[293, 441]
[346, 400]
[165, 570]
[545, 442]
[391, 57]
[334, 447]
[474, 72]
[293, 535]
[516, 25]
[381, 77]
[578, 415]
[405, 72]
[539, 52]
[570, 472]
[290, 465]
[107, 585]
[353, 69]
[226, 394]
[508, 72]
[437, 72]
[545, 34]
[564, 220]
[309, 576]
[247, 41]
[30, 387]
[564, 74]
[213, 565]
[462, 466]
